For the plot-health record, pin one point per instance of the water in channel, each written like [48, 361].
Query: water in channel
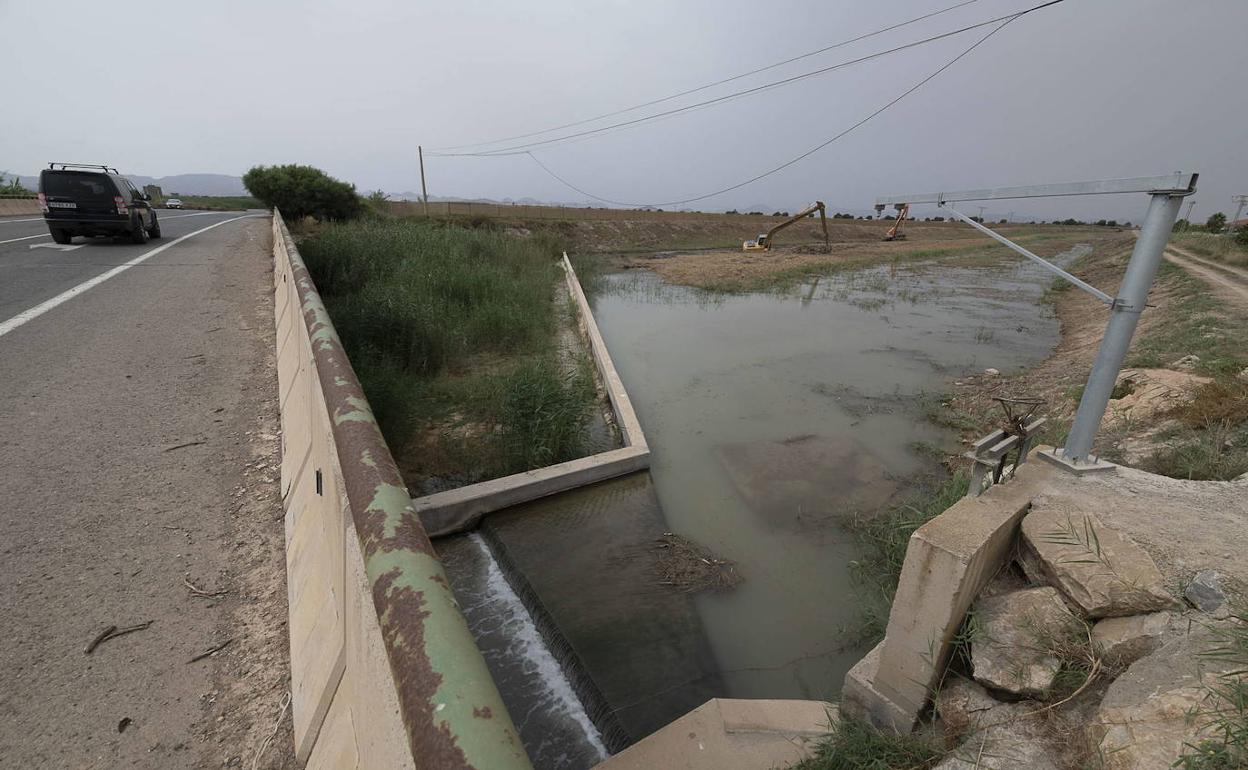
[771, 418]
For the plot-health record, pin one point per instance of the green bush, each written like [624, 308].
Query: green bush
[1216, 222]
[303, 191]
[13, 188]
[1241, 235]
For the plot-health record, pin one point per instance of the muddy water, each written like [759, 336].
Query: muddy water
[771, 417]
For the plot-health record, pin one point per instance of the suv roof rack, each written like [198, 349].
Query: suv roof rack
[64, 166]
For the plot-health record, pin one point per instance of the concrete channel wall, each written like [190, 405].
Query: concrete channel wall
[459, 510]
[14, 206]
[384, 672]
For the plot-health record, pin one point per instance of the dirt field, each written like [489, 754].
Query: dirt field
[851, 244]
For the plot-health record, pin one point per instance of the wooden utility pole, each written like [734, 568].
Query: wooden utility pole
[424, 193]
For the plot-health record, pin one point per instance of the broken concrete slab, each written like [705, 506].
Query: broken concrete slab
[1159, 706]
[1122, 641]
[948, 561]
[1102, 571]
[1015, 634]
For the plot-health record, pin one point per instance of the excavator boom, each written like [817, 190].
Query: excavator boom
[764, 240]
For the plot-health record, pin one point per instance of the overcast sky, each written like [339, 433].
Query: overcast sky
[1083, 90]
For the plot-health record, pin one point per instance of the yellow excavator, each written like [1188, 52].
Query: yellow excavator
[894, 233]
[764, 239]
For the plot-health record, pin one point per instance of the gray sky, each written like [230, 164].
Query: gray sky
[1084, 90]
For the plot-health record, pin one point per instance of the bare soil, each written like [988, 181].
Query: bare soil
[733, 269]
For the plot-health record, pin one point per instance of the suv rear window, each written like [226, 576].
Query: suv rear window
[77, 185]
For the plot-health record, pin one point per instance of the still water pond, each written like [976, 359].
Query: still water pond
[771, 417]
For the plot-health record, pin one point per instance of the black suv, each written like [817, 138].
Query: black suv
[78, 199]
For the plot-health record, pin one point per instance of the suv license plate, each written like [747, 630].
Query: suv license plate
[61, 205]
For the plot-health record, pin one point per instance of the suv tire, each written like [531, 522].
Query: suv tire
[61, 236]
[154, 231]
[138, 234]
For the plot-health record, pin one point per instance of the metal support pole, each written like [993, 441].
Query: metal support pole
[1125, 311]
[424, 193]
[1240, 200]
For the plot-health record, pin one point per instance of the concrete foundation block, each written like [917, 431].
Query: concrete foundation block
[726, 733]
[860, 699]
[948, 562]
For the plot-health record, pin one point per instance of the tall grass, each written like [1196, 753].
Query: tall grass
[454, 329]
[1220, 247]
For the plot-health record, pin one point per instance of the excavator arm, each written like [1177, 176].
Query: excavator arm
[764, 240]
[894, 233]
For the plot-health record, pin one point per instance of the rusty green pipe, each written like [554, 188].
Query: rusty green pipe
[450, 707]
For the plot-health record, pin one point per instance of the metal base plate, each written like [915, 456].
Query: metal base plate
[1092, 464]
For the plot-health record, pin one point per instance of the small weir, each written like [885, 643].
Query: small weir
[536, 687]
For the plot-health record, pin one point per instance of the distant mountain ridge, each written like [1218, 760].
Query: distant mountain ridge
[178, 184]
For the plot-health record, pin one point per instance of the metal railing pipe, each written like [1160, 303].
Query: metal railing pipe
[450, 706]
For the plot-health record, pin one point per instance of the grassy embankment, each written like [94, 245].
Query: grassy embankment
[453, 332]
[1220, 247]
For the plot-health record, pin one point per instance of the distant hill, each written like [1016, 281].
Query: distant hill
[179, 184]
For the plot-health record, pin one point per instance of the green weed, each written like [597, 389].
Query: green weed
[884, 538]
[453, 329]
[856, 745]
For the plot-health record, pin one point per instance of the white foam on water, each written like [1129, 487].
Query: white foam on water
[526, 642]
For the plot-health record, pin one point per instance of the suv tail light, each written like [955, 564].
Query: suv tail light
[43, 203]
[121, 204]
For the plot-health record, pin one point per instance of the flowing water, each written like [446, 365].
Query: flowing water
[771, 418]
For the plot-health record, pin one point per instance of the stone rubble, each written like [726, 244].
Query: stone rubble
[1122, 641]
[1205, 592]
[1014, 634]
[1102, 571]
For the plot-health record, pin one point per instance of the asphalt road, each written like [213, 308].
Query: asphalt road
[138, 482]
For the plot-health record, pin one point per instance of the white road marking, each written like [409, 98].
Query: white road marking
[8, 221]
[46, 235]
[26, 238]
[57, 246]
[31, 314]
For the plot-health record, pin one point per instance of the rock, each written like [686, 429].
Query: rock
[1205, 592]
[990, 372]
[1121, 641]
[1102, 571]
[1159, 705]
[1243, 374]
[1015, 631]
[962, 706]
[1187, 362]
[1016, 745]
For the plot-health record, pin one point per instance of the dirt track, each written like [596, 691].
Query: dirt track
[1231, 283]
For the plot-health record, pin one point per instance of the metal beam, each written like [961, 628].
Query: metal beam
[1089, 288]
[1178, 183]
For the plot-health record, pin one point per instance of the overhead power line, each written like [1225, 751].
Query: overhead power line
[695, 90]
[520, 149]
[800, 157]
